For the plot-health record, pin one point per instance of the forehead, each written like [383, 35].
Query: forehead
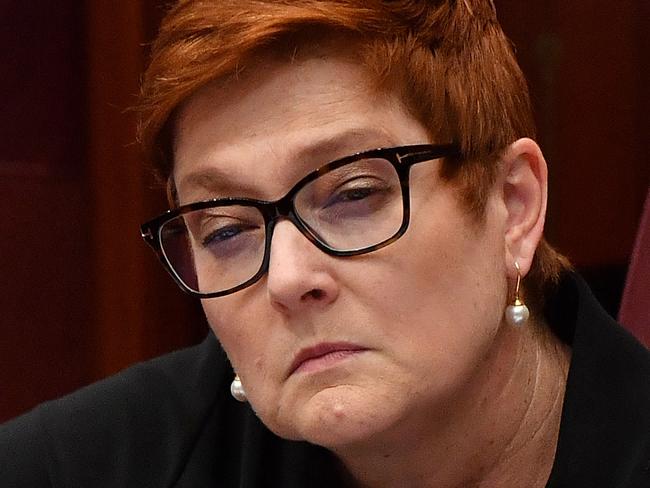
[278, 121]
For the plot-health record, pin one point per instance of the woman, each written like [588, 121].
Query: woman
[359, 204]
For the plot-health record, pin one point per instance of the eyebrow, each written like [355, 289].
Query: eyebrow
[221, 183]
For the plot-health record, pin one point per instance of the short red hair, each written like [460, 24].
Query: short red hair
[449, 60]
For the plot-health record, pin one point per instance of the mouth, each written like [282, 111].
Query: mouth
[322, 356]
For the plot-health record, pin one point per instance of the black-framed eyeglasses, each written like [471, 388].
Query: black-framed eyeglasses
[351, 206]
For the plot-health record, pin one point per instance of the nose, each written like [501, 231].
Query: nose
[298, 276]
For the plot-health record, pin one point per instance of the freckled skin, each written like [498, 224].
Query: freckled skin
[428, 307]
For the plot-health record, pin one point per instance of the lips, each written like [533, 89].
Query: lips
[323, 354]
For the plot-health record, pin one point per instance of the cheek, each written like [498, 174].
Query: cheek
[445, 292]
[230, 334]
[242, 334]
[255, 346]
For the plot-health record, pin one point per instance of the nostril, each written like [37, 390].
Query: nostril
[316, 294]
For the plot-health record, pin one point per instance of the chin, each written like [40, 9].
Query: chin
[342, 416]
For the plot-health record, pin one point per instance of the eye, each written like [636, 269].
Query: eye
[355, 191]
[225, 233]
[356, 194]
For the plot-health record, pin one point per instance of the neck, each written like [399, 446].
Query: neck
[506, 418]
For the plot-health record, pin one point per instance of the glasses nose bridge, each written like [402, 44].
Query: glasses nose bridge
[284, 209]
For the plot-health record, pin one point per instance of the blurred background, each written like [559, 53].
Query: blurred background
[81, 296]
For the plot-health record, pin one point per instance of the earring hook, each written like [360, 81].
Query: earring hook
[517, 314]
[517, 300]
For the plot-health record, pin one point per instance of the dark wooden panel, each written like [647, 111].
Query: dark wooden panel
[81, 296]
[43, 215]
[137, 311]
[587, 63]
[44, 299]
[41, 87]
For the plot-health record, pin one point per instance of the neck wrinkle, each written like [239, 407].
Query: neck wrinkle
[543, 413]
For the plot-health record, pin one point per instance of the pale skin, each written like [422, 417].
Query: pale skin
[444, 393]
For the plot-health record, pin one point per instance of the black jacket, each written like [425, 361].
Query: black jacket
[171, 422]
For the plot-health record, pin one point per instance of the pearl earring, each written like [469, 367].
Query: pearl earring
[517, 314]
[237, 389]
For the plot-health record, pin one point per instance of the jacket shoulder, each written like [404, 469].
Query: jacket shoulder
[137, 423]
[604, 435]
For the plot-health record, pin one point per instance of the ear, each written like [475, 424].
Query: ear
[525, 179]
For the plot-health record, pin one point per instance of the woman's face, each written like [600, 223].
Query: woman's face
[387, 338]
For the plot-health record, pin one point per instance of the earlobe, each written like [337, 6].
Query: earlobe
[524, 195]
